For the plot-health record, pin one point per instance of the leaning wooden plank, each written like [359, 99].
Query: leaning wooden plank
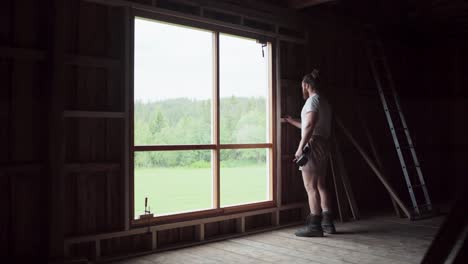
[345, 180]
[376, 170]
[337, 185]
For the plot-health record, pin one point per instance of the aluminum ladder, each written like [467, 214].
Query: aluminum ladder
[398, 127]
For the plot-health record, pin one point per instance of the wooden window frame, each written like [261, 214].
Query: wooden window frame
[216, 147]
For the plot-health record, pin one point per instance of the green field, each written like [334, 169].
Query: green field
[171, 190]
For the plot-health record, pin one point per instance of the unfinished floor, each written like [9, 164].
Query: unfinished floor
[373, 240]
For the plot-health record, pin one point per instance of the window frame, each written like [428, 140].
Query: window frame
[216, 147]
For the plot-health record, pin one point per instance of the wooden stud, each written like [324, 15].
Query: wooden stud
[97, 244]
[128, 95]
[154, 240]
[240, 225]
[275, 218]
[278, 127]
[200, 232]
[273, 117]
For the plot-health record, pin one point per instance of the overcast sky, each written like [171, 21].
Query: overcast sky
[174, 61]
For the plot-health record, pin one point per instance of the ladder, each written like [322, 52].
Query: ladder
[398, 127]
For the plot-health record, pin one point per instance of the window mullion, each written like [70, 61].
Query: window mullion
[216, 130]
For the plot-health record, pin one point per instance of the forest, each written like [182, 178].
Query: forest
[188, 121]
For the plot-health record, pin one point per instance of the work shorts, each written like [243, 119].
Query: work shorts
[318, 155]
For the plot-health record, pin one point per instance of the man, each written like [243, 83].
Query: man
[315, 125]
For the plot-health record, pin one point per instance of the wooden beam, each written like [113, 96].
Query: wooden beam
[91, 167]
[21, 168]
[142, 230]
[93, 114]
[300, 4]
[198, 19]
[92, 61]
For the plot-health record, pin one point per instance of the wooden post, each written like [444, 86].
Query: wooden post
[375, 170]
[240, 224]
[200, 232]
[279, 124]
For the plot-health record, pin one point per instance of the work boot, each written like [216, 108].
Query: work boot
[312, 228]
[327, 223]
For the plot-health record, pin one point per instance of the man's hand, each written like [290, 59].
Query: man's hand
[287, 119]
[298, 154]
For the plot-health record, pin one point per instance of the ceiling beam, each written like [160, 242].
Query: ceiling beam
[299, 4]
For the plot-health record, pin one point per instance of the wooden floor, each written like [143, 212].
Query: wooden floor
[376, 240]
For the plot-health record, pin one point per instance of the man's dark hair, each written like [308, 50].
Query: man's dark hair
[312, 79]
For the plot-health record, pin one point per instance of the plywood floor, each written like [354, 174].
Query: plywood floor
[376, 240]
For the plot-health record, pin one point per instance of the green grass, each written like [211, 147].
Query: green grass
[171, 190]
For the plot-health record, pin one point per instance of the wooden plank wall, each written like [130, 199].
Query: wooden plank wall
[427, 70]
[93, 132]
[23, 133]
[94, 189]
[94, 154]
[336, 47]
[94, 125]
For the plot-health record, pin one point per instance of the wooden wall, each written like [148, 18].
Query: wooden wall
[23, 131]
[62, 68]
[427, 70]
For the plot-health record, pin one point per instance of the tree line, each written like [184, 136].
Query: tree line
[188, 121]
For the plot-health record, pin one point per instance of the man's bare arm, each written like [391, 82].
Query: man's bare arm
[293, 121]
[310, 120]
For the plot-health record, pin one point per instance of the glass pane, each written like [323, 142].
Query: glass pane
[173, 181]
[245, 176]
[173, 84]
[244, 85]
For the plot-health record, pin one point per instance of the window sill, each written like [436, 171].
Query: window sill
[166, 219]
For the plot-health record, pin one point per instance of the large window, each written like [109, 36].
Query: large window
[201, 119]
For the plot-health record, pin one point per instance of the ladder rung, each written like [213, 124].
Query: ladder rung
[412, 167]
